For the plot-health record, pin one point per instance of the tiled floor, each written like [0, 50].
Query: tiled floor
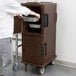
[50, 70]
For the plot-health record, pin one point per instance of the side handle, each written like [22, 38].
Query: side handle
[45, 20]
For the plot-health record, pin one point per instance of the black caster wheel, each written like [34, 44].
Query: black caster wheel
[26, 66]
[51, 63]
[41, 70]
[15, 67]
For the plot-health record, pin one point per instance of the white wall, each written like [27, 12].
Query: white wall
[66, 30]
[21, 1]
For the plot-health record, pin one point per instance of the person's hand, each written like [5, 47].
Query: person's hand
[34, 14]
[37, 15]
[20, 16]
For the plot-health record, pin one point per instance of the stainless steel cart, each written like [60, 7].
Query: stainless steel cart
[16, 65]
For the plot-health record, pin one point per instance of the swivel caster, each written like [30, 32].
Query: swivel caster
[15, 67]
[41, 70]
[51, 63]
[26, 66]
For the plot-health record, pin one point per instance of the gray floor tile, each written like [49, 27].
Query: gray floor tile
[50, 70]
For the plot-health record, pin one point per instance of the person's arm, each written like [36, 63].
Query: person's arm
[34, 13]
[14, 8]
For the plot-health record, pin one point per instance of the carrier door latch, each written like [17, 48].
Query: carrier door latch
[44, 50]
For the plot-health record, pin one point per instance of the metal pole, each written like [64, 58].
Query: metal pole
[16, 48]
